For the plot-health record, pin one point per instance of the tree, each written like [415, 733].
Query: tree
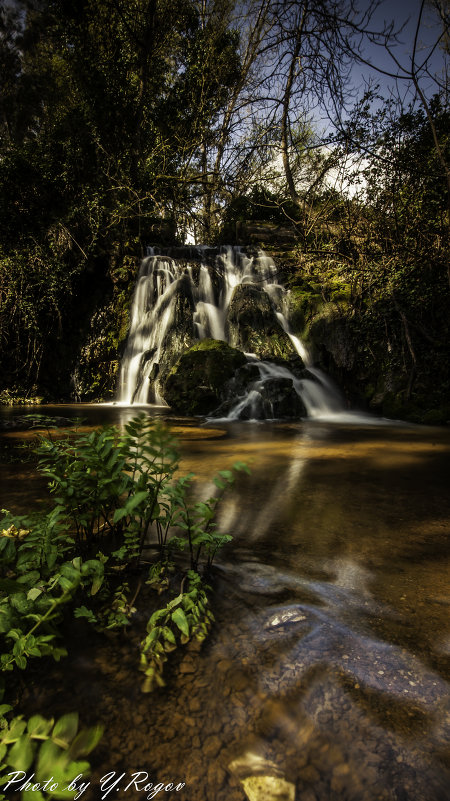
[101, 135]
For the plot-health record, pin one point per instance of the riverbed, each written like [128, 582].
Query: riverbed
[328, 666]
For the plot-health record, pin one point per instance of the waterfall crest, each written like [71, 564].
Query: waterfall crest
[177, 302]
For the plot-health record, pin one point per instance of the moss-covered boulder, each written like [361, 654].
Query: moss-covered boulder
[197, 382]
[253, 326]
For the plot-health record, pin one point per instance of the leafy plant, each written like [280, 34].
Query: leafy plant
[47, 749]
[186, 616]
[115, 614]
[159, 575]
[35, 584]
[150, 453]
[87, 476]
[198, 521]
[119, 487]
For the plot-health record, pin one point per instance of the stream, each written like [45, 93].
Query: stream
[326, 674]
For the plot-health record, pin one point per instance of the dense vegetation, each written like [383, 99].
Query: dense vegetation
[124, 124]
[122, 532]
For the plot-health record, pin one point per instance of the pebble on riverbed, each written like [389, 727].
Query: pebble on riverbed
[268, 788]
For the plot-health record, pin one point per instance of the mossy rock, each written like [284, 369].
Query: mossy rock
[341, 295]
[303, 306]
[253, 327]
[196, 384]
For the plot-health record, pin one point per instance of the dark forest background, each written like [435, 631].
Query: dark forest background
[127, 123]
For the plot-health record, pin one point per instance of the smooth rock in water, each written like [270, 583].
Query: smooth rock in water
[265, 783]
[265, 399]
[268, 788]
[212, 746]
[280, 399]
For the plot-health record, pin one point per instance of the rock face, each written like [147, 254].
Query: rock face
[253, 326]
[280, 399]
[196, 383]
[250, 397]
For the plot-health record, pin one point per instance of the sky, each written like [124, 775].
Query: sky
[403, 13]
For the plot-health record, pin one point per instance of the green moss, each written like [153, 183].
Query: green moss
[211, 344]
[195, 384]
[304, 305]
[341, 295]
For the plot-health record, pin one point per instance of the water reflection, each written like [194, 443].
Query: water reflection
[327, 671]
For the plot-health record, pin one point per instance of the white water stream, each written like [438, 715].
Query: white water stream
[155, 314]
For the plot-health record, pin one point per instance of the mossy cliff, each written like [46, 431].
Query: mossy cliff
[94, 357]
[384, 341]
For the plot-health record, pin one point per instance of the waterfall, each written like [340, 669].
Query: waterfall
[180, 300]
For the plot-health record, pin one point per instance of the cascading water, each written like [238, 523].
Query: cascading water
[179, 301]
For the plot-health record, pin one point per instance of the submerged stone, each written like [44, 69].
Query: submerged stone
[268, 788]
[261, 779]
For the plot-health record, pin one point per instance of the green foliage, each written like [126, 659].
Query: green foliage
[35, 586]
[119, 487]
[159, 576]
[87, 477]
[198, 521]
[46, 749]
[150, 452]
[109, 484]
[185, 617]
[114, 614]
[104, 109]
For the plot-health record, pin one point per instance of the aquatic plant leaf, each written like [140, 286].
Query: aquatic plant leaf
[65, 729]
[179, 618]
[85, 742]
[21, 755]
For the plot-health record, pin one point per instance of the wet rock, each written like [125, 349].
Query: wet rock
[194, 705]
[224, 665]
[216, 776]
[308, 795]
[196, 384]
[268, 788]
[260, 778]
[253, 325]
[187, 666]
[265, 399]
[212, 747]
[281, 400]
[310, 774]
[179, 335]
